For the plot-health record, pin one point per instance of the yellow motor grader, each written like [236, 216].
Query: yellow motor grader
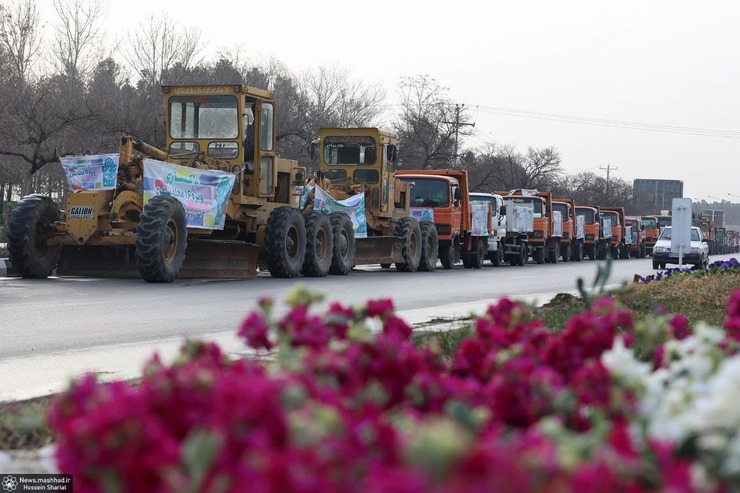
[361, 162]
[140, 227]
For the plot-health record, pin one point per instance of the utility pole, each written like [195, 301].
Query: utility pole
[457, 128]
[608, 170]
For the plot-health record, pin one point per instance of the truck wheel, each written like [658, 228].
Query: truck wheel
[285, 242]
[448, 254]
[409, 229]
[29, 230]
[539, 255]
[643, 251]
[554, 254]
[497, 257]
[592, 252]
[522, 258]
[429, 247]
[343, 253]
[578, 252]
[385, 266]
[161, 239]
[478, 257]
[567, 253]
[656, 265]
[319, 244]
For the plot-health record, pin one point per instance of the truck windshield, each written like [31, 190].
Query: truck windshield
[429, 192]
[203, 117]
[349, 150]
[562, 209]
[588, 215]
[611, 216]
[664, 221]
[649, 223]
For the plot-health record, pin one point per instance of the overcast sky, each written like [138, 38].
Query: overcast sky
[654, 84]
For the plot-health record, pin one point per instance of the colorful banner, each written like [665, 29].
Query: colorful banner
[520, 220]
[354, 207]
[479, 211]
[97, 172]
[204, 193]
[629, 239]
[422, 213]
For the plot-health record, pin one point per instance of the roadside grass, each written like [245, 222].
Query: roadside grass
[698, 297]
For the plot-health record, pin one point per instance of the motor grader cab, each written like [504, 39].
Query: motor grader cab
[357, 177]
[217, 191]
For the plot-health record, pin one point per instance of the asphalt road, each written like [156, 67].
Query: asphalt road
[57, 328]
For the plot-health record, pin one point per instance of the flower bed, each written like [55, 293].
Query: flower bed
[606, 404]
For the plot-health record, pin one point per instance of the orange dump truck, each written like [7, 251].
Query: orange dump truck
[529, 228]
[571, 241]
[650, 231]
[637, 248]
[442, 197]
[612, 222]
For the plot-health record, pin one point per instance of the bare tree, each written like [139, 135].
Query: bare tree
[158, 45]
[427, 124]
[77, 34]
[20, 36]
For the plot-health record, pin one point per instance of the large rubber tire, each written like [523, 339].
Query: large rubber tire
[578, 252]
[567, 254]
[643, 251]
[554, 254]
[539, 255]
[29, 230]
[408, 228]
[429, 246]
[523, 255]
[285, 242]
[656, 265]
[448, 254]
[479, 255]
[497, 257]
[161, 240]
[319, 244]
[343, 253]
[592, 252]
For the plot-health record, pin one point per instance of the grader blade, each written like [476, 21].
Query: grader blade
[203, 259]
[378, 250]
[98, 261]
[220, 259]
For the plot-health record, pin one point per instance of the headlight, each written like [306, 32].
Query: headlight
[659, 249]
[695, 249]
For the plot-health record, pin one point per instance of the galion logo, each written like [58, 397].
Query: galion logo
[10, 483]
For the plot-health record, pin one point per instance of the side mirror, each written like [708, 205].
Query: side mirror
[456, 203]
[390, 153]
[502, 212]
[458, 195]
[299, 178]
[313, 151]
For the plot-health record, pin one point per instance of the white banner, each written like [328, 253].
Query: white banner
[353, 206]
[479, 211]
[97, 172]
[606, 226]
[204, 193]
[580, 226]
[557, 223]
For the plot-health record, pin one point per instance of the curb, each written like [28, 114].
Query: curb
[6, 268]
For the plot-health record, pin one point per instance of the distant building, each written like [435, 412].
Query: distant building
[656, 195]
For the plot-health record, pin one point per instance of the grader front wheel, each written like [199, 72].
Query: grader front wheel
[28, 233]
[161, 239]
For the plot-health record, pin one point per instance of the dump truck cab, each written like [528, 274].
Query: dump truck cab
[442, 196]
[636, 242]
[542, 245]
[571, 241]
[651, 231]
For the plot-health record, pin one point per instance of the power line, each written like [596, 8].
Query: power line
[610, 123]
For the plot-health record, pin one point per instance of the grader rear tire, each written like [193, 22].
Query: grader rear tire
[319, 244]
[429, 247]
[285, 242]
[161, 239]
[343, 253]
[28, 232]
[409, 229]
